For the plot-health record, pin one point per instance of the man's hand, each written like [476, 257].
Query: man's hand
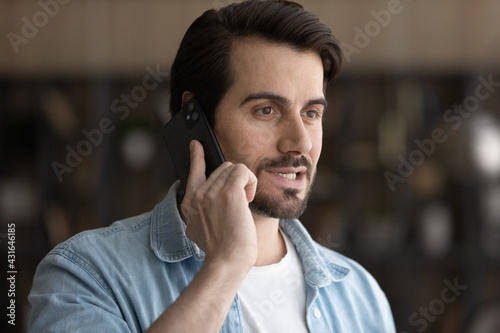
[220, 223]
[216, 211]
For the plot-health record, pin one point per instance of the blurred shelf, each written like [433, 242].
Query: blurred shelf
[371, 120]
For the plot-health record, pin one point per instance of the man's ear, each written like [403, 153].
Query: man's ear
[186, 96]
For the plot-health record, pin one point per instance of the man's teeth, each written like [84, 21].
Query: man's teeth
[291, 176]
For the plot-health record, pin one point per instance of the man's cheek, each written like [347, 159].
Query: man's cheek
[255, 144]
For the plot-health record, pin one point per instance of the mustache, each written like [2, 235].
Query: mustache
[285, 161]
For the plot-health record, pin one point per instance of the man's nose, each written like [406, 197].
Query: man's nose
[294, 137]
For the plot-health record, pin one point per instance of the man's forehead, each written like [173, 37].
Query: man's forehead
[260, 65]
[255, 48]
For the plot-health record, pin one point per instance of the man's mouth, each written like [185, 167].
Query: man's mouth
[290, 169]
[291, 176]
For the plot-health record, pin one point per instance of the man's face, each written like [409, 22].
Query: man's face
[270, 120]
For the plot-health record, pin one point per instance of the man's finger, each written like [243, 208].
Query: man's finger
[197, 167]
[244, 178]
[251, 187]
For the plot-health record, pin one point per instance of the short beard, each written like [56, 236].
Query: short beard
[287, 205]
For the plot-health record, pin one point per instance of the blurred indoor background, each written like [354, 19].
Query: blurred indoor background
[409, 179]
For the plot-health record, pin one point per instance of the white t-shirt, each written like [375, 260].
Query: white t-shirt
[273, 298]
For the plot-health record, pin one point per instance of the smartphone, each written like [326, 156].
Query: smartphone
[191, 123]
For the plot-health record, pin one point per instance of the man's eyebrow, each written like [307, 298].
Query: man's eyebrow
[321, 101]
[267, 95]
[281, 99]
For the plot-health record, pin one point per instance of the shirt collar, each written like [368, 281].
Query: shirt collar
[170, 243]
[321, 265]
[168, 231]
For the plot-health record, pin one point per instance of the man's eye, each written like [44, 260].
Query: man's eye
[312, 114]
[267, 110]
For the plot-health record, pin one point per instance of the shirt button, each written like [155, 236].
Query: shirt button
[317, 313]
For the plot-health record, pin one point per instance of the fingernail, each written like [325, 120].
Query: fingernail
[191, 145]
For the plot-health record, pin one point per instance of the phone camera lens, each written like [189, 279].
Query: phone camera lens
[191, 106]
[195, 116]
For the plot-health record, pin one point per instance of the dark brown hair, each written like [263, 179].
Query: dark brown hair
[202, 63]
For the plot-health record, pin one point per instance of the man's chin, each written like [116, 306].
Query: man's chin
[286, 206]
[272, 200]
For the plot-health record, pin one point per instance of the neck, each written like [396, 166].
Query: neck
[272, 246]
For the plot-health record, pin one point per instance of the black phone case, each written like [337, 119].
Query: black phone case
[190, 123]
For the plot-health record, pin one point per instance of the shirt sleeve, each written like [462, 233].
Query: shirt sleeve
[387, 318]
[68, 296]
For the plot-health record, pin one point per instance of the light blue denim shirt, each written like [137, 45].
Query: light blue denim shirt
[122, 278]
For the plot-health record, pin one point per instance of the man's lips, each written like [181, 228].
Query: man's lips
[290, 176]
[290, 173]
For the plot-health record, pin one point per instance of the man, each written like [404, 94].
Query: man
[232, 257]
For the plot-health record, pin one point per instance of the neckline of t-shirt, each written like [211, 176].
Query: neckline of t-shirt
[283, 264]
